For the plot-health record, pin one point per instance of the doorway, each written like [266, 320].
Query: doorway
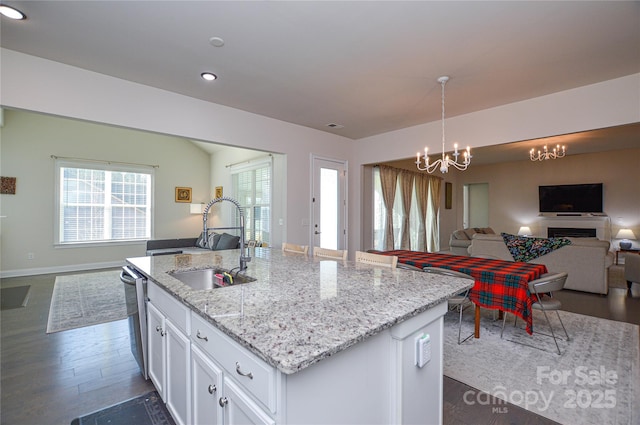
[329, 203]
[475, 205]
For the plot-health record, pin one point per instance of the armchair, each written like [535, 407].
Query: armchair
[632, 269]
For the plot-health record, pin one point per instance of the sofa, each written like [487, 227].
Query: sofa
[586, 260]
[461, 239]
[217, 242]
[632, 269]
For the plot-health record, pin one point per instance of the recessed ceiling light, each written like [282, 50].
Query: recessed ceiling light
[216, 41]
[209, 76]
[334, 125]
[12, 13]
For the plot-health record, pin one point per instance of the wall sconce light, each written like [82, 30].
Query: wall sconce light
[524, 231]
[625, 235]
[196, 208]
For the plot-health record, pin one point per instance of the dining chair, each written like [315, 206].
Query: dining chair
[376, 259]
[298, 249]
[332, 254]
[460, 301]
[543, 289]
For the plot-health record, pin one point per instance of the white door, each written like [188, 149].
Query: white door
[206, 389]
[178, 384]
[329, 203]
[157, 349]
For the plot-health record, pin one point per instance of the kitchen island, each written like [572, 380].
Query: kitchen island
[308, 341]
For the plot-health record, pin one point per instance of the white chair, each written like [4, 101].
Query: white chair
[546, 285]
[297, 249]
[332, 254]
[376, 259]
[460, 301]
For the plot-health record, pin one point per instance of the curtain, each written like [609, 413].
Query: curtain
[433, 239]
[422, 195]
[406, 191]
[388, 177]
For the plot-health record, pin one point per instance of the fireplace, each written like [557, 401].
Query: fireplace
[570, 232]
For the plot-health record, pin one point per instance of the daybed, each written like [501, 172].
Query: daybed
[586, 260]
[217, 241]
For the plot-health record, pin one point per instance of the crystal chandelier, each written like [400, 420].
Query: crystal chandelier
[557, 152]
[445, 162]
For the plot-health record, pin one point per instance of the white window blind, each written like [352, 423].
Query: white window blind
[103, 202]
[252, 189]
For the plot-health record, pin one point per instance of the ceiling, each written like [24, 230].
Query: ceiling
[370, 67]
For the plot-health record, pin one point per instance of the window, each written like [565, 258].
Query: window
[417, 227]
[252, 189]
[102, 202]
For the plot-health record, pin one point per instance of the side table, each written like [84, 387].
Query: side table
[633, 250]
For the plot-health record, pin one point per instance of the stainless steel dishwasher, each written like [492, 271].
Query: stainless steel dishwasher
[135, 288]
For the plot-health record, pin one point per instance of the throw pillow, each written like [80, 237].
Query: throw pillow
[525, 249]
[212, 243]
[461, 235]
[227, 241]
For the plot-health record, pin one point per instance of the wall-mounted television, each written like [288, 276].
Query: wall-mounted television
[571, 198]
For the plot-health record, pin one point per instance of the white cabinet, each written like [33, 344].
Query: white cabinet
[206, 384]
[244, 385]
[157, 349]
[170, 352]
[239, 408]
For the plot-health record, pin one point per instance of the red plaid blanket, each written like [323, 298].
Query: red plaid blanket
[501, 285]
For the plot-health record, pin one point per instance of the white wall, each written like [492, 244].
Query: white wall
[37, 84]
[606, 104]
[28, 142]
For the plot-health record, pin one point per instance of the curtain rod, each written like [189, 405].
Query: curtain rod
[248, 160]
[103, 162]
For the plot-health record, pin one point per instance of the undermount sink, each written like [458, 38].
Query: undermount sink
[206, 278]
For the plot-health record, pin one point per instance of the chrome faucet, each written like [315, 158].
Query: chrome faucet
[244, 258]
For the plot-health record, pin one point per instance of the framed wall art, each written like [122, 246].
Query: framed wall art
[183, 194]
[218, 192]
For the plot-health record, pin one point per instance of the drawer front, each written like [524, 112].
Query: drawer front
[253, 374]
[175, 311]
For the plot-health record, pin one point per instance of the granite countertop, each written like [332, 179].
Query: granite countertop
[300, 309]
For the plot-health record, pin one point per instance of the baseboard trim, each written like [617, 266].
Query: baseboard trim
[60, 269]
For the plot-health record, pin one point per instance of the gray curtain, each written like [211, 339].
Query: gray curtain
[406, 186]
[388, 177]
[433, 229]
[422, 194]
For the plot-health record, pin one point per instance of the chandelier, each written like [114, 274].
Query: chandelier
[445, 162]
[557, 152]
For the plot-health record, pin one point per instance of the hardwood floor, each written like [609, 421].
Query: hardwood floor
[52, 379]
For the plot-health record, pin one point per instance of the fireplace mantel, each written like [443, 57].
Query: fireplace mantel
[601, 223]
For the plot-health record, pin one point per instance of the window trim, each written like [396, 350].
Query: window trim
[98, 165]
[250, 165]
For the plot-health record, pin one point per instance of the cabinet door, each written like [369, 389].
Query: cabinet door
[178, 382]
[206, 387]
[240, 409]
[156, 348]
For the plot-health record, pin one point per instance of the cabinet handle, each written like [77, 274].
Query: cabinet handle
[212, 389]
[241, 373]
[223, 401]
[201, 337]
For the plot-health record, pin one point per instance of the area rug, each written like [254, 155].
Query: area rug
[594, 381]
[86, 299]
[14, 297]
[147, 409]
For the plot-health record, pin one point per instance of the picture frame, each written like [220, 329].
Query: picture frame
[183, 194]
[8, 185]
[218, 193]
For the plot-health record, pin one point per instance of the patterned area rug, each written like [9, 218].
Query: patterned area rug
[86, 299]
[594, 381]
[147, 409]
